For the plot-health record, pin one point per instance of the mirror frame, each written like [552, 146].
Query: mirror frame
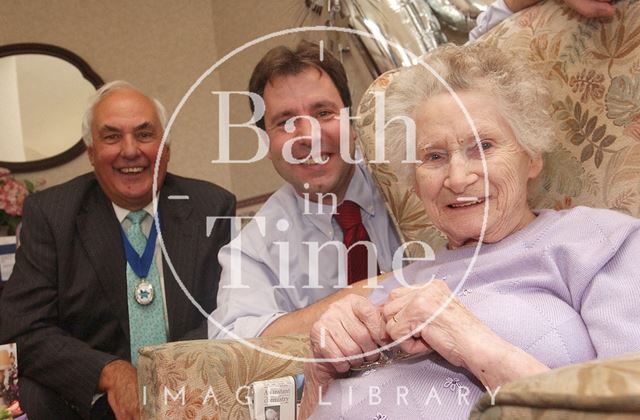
[87, 72]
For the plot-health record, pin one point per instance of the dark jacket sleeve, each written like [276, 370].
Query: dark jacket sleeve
[29, 309]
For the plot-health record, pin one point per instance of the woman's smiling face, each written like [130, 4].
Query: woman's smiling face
[450, 177]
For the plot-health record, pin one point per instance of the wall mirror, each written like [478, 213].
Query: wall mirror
[44, 91]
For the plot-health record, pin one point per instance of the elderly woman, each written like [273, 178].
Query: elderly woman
[546, 289]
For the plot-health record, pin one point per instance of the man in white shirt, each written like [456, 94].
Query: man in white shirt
[272, 283]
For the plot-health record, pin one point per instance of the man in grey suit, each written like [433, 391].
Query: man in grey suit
[79, 302]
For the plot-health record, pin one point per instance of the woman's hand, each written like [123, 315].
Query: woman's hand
[349, 327]
[455, 333]
[448, 333]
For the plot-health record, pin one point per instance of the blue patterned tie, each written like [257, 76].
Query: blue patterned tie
[146, 322]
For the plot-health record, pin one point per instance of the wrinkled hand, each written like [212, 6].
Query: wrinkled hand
[350, 326]
[455, 333]
[450, 333]
[592, 8]
[119, 380]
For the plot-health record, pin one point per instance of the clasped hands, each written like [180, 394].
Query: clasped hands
[353, 326]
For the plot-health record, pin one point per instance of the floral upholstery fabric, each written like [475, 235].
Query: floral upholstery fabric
[213, 374]
[604, 389]
[593, 69]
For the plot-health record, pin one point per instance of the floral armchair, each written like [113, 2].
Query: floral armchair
[594, 71]
[213, 375]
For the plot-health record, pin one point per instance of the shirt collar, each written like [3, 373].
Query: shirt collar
[121, 213]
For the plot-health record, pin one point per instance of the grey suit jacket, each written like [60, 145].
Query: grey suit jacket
[66, 302]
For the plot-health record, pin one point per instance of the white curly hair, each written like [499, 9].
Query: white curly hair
[521, 93]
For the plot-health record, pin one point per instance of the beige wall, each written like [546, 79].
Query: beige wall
[11, 148]
[163, 46]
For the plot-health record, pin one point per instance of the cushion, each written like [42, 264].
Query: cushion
[599, 389]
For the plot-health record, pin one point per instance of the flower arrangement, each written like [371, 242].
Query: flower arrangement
[12, 195]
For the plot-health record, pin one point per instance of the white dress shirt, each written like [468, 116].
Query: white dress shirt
[256, 257]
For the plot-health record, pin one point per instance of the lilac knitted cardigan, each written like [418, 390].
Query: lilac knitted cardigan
[566, 289]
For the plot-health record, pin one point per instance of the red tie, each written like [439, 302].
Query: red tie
[349, 219]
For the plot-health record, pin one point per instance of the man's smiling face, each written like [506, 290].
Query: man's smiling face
[127, 134]
[310, 93]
